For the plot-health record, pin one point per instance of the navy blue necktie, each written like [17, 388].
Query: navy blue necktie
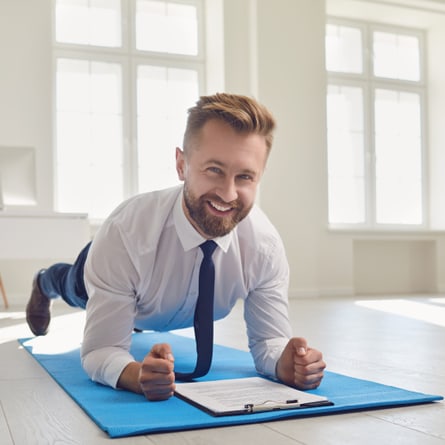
[203, 321]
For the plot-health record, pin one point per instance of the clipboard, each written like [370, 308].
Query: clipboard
[246, 396]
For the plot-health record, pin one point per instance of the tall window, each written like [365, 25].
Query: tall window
[375, 115]
[126, 71]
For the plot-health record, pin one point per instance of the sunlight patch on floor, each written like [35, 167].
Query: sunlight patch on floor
[68, 328]
[55, 343]
[429, 312]
[437, 300]
[12, 315]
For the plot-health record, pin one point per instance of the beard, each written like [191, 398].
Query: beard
[208, 224]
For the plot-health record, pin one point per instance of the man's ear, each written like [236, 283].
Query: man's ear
[180, 163]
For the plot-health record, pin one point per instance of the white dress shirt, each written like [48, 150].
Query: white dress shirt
[142, 271]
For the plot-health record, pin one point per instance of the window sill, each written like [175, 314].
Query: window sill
[385, 232]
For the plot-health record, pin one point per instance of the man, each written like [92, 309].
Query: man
[141, 271]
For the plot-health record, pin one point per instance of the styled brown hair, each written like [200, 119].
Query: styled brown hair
[242, 113]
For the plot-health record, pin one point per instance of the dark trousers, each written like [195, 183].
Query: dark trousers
[66, 281]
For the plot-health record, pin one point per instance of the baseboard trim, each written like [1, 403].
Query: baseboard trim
[322, 292]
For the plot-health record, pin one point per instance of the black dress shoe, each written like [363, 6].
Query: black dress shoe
[38, 313]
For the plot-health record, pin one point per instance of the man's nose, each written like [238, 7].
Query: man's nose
[227, 190]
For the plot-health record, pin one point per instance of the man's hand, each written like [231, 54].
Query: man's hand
[300, 366]
[156, 376]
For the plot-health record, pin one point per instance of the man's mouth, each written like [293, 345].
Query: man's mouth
[220, 207]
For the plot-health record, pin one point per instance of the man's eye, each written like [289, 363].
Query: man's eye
[245, 177]
[215, 170]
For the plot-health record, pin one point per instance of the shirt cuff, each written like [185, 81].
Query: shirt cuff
[106, 365]
[266, 355]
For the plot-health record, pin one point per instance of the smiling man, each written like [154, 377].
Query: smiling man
[142, 269]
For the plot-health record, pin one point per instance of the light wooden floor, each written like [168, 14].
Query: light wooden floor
[365, 339]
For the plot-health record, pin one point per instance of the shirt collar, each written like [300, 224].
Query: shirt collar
[188, 235]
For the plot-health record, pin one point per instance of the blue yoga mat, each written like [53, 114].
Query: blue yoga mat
[122, 413]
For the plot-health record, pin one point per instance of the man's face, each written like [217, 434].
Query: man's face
[221, 173]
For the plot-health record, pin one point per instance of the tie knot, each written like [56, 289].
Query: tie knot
[208, 248]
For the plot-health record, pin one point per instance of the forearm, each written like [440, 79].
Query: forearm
[129, 378]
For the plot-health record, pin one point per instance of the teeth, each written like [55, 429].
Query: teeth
[219, 207]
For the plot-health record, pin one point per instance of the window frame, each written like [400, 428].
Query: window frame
[129, 58]
[369, 83]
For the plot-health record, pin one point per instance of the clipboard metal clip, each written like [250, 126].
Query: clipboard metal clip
[271, 405]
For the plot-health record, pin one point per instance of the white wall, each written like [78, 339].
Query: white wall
[275, 51]
[26, 85]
